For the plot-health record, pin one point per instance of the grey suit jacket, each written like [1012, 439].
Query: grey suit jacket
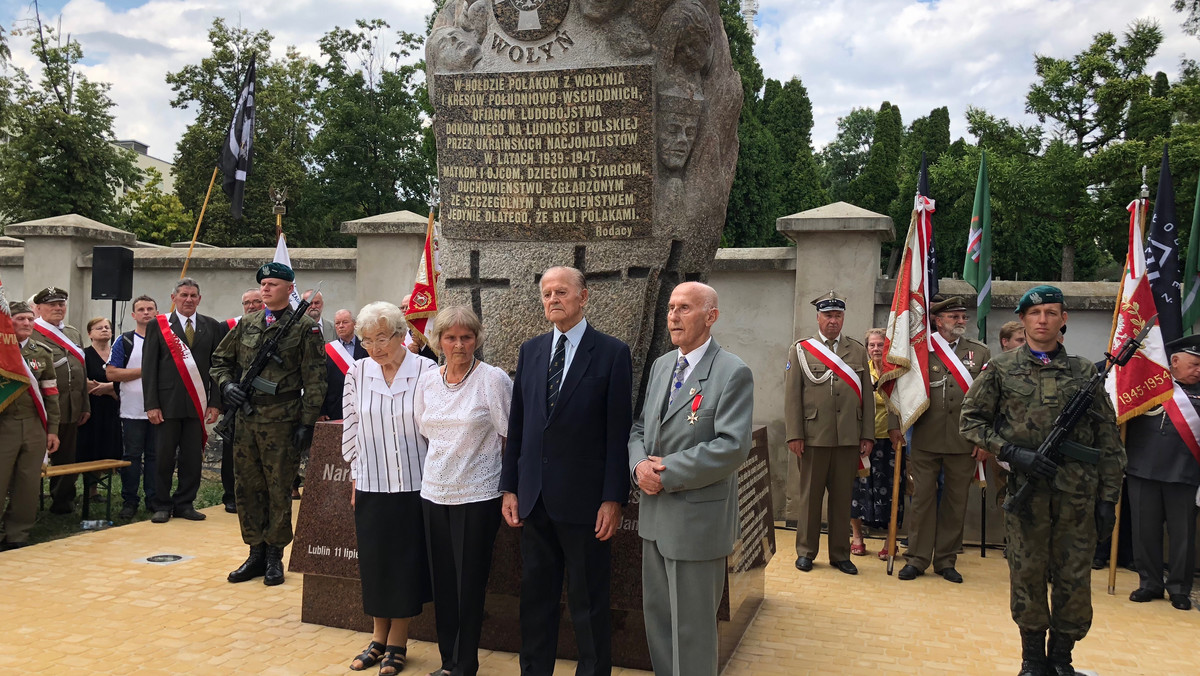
[328, 332]
[695, 516]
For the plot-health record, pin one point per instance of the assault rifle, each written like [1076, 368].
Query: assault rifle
[252, 377]
[1075, 410]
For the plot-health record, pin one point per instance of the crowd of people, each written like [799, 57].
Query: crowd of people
[442, 447]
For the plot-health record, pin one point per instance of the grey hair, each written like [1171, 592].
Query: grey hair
[874, 332]
[185, 281]
[253, 289]
[457, 315]
[576, 274]
[380, 313]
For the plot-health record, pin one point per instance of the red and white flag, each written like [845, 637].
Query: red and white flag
[424, 302]
[15, 375]
[1144, 382]
[904, 382]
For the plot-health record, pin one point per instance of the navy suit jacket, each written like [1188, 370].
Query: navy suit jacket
[332, 406]
[576, 458]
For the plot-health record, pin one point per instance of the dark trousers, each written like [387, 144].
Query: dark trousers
[548, 549]
[62, 488]
[1154, 503]
[459, 539]
[227, 473]
[185, 434]
[141, 453]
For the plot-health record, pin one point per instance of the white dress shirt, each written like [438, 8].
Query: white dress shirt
[183, 321]
[379, 432]
[693, 358]
[574, 335]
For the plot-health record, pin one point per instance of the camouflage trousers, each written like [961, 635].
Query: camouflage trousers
[1055, 546]
[264, 467]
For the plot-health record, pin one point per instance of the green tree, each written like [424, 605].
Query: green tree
[844, 158]
[369, 150]
[789, 118]
[58, 158]
[927, 137]
[153, 215]
[1150, 112]
[282, 144]
[876, 186]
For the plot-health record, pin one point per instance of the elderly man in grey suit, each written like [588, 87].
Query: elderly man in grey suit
[684, 451]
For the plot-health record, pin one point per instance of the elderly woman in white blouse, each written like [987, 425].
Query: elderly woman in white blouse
[464, 414]
[387, 456]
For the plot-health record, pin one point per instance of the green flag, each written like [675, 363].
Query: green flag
[1191, 272]
[977, 268]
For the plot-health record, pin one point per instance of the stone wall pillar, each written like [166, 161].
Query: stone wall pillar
[389, 251]
[55, 249]
[837, 247]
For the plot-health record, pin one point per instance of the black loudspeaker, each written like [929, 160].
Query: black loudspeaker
[112, 273]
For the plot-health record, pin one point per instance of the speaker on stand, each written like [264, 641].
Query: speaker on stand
[112, 277]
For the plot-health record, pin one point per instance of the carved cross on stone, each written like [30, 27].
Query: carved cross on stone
[580, 264]
[476, 284]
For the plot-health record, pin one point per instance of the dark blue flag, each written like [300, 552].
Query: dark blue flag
[238, 150]
[931, 279]
[1162, 257]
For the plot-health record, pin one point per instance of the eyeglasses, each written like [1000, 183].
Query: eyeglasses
[368, 343]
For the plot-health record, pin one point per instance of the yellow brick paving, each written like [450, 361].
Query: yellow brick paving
[81, 605]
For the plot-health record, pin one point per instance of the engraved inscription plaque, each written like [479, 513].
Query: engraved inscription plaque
[564, 155]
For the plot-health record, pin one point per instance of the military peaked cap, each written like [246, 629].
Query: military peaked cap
[947, 304]
[18, 307]
[829, 302]
[49, 294]
[1188, 344]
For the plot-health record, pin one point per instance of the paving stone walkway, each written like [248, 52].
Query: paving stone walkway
[85, 605]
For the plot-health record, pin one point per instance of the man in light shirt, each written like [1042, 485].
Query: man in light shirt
[125, 367]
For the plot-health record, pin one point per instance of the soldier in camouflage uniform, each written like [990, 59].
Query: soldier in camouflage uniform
[268, 442]
[1009, 410]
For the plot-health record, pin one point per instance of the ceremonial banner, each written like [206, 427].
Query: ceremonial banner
[1191, 271]
[424, 301]
[238, 150]
[904, 383]
[1145, 382]
[977, 268]
[14, 372]
[1162, 257]
[189, 371]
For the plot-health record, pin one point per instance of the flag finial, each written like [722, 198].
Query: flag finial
[1145, 188]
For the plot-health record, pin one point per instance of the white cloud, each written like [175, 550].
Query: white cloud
[849, 53]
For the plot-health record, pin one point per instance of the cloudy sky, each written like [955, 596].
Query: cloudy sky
[918, 55]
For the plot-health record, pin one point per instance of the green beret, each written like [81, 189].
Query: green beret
[1039, 295]
[18, 307]
[948, 304]
[49, 294]
[276, 271]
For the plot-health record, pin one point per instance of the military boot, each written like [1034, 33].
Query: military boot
[274, 572]
[1033, 653]
[254, 566]
[1059, 655]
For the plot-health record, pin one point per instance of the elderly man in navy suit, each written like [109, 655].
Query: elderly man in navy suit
[566, 475]
[684, 452]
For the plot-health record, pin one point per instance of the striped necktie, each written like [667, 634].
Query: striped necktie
[555, 376]
[677, 378]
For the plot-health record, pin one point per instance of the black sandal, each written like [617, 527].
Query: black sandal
[394, 659]
[369, 657]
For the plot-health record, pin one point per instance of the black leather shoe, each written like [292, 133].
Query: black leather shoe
[231, 508]
[254, 565]
[951, 575]
[274, 572]
[804, 563]
[62, 508]
[1142, 595]
[1181, 602]
[161, 517]
[1099, 564]
[190, 514]
[846, 567]
[127, 512]
[910, 572]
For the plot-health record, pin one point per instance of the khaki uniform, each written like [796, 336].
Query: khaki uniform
[23, 445]
[265, 458]
[1016, 400]
[936, 527]
[821, 409]
[73, 402]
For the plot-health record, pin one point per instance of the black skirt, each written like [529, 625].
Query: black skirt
[392, 560]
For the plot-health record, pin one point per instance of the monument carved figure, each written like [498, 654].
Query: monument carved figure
[600, 134]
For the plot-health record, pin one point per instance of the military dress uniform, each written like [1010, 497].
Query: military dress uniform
[73, 401]
[23, 445]
[1163, 479]
[936, 526]
[822, 410]
[265, 455]
[1015, 401]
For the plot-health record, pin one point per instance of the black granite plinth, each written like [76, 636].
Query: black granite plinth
[325, 547]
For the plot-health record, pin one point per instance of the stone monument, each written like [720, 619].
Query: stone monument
[600, 134]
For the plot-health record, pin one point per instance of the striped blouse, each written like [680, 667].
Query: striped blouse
[379, 432]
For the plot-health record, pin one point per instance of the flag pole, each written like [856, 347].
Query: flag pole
[196, 234]
[897, 471]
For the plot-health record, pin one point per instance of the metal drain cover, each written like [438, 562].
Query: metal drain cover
[163, 559]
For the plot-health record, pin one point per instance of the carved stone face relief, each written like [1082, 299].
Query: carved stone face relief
[676, 134]
[601, 10]
[453, 49]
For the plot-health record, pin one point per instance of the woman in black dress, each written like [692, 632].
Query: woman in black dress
[100, 436]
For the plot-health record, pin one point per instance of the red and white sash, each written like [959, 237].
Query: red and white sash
[1185, 419]
[59, 338]
[834, 363]
[233, 322]
[35, 391]
[341, 358]
[189, 373]
[953, 364]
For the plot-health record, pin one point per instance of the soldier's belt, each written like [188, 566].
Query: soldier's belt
[1077, 451]
[267, 399]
